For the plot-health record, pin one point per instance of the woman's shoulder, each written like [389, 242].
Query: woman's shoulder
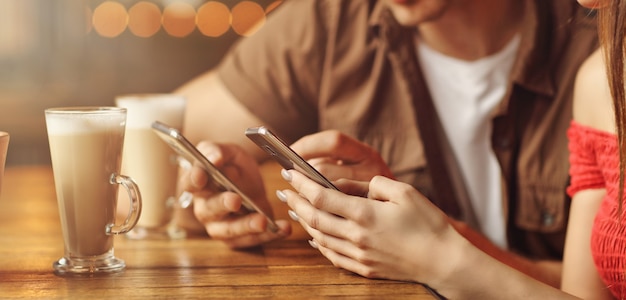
[593, 105]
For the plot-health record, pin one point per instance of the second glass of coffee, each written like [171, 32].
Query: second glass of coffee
[151, 162]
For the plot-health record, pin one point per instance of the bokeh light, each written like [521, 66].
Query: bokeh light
[144, 19]
[213, 19]
[247, 18]
[179, 19]
[110, 19]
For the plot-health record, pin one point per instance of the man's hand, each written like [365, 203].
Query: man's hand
[337, 155]
[221, 213]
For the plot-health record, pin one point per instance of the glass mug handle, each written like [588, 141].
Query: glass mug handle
[135, 204]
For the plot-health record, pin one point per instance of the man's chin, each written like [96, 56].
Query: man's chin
[410, 13]
[402, 2]
[406, 18]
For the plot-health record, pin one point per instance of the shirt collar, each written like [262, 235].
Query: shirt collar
[377, 15]
[537, 50]
[384, 27]
[542, 43]
[530, 69]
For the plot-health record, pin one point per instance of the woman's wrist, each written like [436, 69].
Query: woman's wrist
[455, 255]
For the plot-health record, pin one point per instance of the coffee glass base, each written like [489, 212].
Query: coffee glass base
[88, 266]
[163, 233]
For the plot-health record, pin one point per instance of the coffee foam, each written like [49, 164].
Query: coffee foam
[75, 123]
[144, 109]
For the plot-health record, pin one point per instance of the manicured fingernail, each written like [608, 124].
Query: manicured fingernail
[285, 175]
[281, 196]
[183, 163]
[185, 200]
[212, 157]
[313, 244]
[292, 215]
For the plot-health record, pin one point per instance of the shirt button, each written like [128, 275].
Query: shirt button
[547, 219]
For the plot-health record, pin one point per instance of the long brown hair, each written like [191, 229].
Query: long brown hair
[612, 28]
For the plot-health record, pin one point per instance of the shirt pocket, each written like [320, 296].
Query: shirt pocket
[541, 208]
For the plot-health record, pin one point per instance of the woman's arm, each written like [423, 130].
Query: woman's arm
[593, 108]
[580, 276]
[396, 233]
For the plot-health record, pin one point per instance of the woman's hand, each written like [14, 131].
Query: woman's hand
[393, 233]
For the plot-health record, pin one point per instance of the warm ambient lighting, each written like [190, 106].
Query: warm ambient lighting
[213, 19]
[178, 18]
[144, 19]
[110, 19]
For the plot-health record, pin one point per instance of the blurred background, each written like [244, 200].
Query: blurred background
[85, 52]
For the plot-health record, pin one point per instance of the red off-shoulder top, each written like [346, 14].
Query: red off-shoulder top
[594, 160]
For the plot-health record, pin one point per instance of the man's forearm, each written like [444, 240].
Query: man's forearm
[546, 271]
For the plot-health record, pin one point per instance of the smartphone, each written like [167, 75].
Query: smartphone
[284, 155]
[190, 153]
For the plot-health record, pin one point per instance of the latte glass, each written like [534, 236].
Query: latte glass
[151, 162]
[86, 150]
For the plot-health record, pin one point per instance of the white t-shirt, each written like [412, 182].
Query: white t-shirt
[465, 94]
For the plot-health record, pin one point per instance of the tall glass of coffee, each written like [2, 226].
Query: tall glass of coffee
[86, 150]
[151, 162]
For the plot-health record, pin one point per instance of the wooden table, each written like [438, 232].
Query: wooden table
[30, 240]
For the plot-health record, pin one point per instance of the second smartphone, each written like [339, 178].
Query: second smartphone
[284, 155]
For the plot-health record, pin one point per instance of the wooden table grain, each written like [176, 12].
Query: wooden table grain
[195, 267]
